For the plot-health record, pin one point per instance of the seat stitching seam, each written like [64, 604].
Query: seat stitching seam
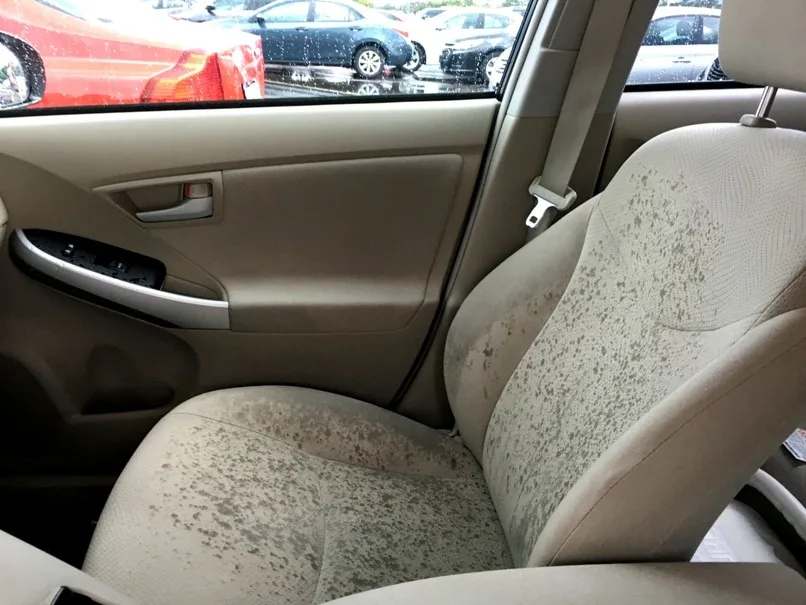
[307, 453]
[704, 409]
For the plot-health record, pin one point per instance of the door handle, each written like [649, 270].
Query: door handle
[681, 60]
[197, 203]
[356, 28]
[302, 29]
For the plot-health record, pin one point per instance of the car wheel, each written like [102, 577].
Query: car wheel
[485, 69]
[417, 58]
[369, 62]
[368, 88]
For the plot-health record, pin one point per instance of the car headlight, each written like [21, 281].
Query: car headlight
[467, 45]
[15, 89]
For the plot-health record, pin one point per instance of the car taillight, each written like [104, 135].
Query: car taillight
[402, 32]
[196, 77]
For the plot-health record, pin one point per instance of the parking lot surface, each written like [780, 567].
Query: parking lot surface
[297, 82]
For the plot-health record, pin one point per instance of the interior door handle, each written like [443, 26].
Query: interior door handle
[191, 208]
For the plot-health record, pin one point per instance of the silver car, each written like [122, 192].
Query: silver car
[680, 44]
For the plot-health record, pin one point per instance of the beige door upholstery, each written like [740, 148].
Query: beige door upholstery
[619, 378]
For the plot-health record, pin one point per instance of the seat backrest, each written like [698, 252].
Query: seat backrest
[623, 375]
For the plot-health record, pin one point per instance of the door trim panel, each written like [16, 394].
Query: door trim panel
[175, 309]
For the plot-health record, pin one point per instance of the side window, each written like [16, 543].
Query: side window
[672, 31]
[680, 45]
[288, 12]
[471, 21]
[492, 21]
[244, 51]
[457, 22]
[333, 12]
[710, 30]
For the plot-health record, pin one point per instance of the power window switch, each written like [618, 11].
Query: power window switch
[69, 250]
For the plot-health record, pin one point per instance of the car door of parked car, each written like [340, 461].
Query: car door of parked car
[333, 32]
[284, 30]
[668, 50]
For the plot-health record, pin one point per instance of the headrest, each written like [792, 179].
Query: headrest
[764, 42]
[685, 28]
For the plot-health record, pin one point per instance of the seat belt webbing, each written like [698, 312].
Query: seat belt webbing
[591, 70]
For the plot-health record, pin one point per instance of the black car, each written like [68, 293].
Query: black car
[473, 57]
[337, 33]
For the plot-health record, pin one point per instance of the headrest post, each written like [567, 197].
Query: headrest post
[762, 119]
[767, 99]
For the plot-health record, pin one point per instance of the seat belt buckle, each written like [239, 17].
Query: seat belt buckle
[547, 203]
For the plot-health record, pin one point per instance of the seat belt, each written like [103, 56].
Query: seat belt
[591, 70]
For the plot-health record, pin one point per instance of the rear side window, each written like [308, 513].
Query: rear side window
[289, 12]
[330, 12]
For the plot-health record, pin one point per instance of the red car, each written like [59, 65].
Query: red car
[115, 52]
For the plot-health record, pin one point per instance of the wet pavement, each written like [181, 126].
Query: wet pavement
[331, 81]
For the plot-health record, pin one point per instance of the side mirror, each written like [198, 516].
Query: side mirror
[257, 19]
[210, 8]
[22, 74]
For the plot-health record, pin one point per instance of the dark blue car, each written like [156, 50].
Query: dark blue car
[338, 33]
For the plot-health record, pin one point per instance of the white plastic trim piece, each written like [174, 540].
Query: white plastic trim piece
[182, 311]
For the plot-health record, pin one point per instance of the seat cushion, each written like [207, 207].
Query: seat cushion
[289, 495]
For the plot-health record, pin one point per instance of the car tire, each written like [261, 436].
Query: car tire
[369, 61]
[485, 66]
[417, 59]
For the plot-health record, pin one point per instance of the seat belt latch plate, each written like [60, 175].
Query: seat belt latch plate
[547, 203]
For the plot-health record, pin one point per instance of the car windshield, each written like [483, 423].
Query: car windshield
[103, 10]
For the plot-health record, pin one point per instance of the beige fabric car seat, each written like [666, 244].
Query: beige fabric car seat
[615, 382]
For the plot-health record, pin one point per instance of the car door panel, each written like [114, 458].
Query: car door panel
[331, 252]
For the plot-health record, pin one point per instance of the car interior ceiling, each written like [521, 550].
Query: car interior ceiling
[388, 388]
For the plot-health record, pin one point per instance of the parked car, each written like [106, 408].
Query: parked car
[338, 33]
[169, 4]
[418, 33]
[96, 52]
[208, 10]
[679, 44]
[498, 67]
[428, 13]
[458, 24]
[475, 57]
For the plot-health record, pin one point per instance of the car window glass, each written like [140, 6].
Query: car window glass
[457, 22]
[710, 30]
[680, 46]
[471, 21]
[245, 50]
[333, 12]
[492, 21]
[672, 31]
[290, 12]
